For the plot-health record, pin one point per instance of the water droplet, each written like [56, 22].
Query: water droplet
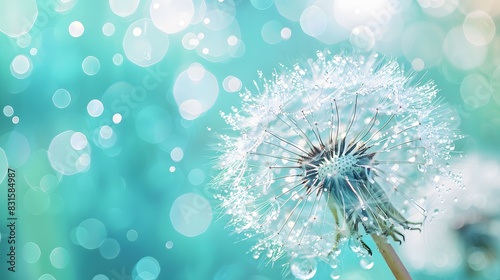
[256, 255]
[335, 275]
[269, 253]
[421, 168]
[332, 261]
[456, 199]
[355, 245]
[303, 268]
[451, 146]
[337, 252]
[366, 262]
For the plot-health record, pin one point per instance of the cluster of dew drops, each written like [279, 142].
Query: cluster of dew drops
[304, 268]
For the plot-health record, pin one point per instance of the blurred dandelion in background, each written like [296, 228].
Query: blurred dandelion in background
[463, 239]
[334, 149]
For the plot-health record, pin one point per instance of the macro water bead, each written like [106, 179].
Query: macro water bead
[329, 151]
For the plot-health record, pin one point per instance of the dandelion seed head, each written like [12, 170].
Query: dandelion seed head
[330, 150]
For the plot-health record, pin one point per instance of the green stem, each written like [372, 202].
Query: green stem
[391, 258]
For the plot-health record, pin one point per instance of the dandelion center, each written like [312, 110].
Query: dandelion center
[337, 167]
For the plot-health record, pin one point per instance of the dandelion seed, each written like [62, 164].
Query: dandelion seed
[329, 152]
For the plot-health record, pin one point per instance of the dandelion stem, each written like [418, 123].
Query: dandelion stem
[391, 258]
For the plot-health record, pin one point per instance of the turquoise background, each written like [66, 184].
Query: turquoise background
[129, 187]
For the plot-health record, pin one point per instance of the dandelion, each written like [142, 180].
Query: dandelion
[328, 152]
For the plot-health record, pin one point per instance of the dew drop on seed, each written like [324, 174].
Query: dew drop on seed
[421, 168]
[269, 253]
[337, 252]
[366, 262]
[303, 268]
[355, 245]
[332, 261]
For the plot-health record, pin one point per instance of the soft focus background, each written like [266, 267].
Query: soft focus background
[110, 111]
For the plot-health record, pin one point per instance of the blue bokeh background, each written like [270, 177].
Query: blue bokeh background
[96, 191]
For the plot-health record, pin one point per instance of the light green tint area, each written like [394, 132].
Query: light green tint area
[31, 252]
[17, 17]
